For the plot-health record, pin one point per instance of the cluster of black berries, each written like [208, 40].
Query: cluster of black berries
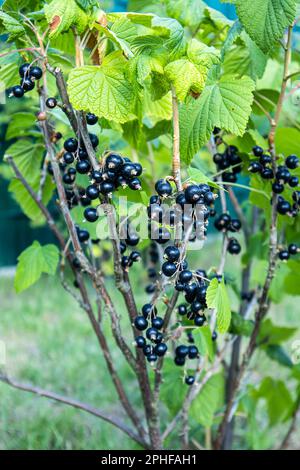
[155, 347]
[224, 223]
[230, 159]
[283, 177]
[29, 74]
[285, 254]
[194, 286]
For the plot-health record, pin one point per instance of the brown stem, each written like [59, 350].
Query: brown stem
[115, 421]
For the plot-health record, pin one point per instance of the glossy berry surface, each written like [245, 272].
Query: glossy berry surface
[172, 253]
[18, 91]
[169, 269]
[140, 323]
[163, 188]
[189, 380]
[91, 214]
[91, 119]
[36, 72]
[51, 103]
[71, 145]
[83, 167]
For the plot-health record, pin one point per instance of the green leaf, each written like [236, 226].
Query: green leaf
[278, 354]
[185, 77]
[11, 25]
[62, 15]
[203, 341]
[225, 104]
[199, 177]
[160, 128]
[85, 4]
[278, 399]
[33, 262]
[287, 140]
[27, 204]
[172, 381]
[240, 326]
[273, 334]
[175, 41]
[203, 55]
[103, 90]
[28, 157]
[217, 298]
[188, 12]
[265, 20]
[208, 401]
[122, 32]
[20, 125]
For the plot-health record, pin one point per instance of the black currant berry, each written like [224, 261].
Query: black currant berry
[83, 167]
[293, 249]
[140, 341]
[157, 323]
[36, 72]
[27, 84]
[96, 175]
[106, 187]
[180, 200]
[283, 207]
[161, 349]
[257, 151]
[125, 262]
[140, 323]
[148, 309]
[265, 160]
[150, 289]
[169, 269]
[192, 352]
[135, 256]
[234, 248]
[18, 91]
[235, 225]
[293, 181]
[151, 333]
[182, 351]
[71, 145]
[189, 380]
[94, 140]
[138, 168]
[214, 336]
[128, 170]
[278, 188]
[83, 235]
[199, 320]
[172, 253]
[192, 194]
[92, 192]
[163, 188]
[68, 158]
[91, 214]
[254, 167]
[283, 174]
[24, 69]
[267, 173]
[152, 357]
[135, 184]
[182, 310]
[209, 197]
[91, 119]
[113, 161]
[51, 103]
[132, 239]
[185, 276]
[154, 199]
[179, 286]
[284, 255]
[292, 161]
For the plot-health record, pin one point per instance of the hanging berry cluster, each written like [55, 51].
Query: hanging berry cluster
[28, 74]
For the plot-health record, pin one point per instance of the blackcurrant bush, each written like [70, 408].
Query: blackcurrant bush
[172, 253]
[51, 103]
[91, 214]
[157, 323]
[292, 161]
[71, 145]
[163, 188]
[161, 349]
[140, 323]
[284, 255]
[182, 351]
[83, 167]
[190, 379]
[169, 269]
[18, 91]
[91, 119]
[140, 341]
[36, 72]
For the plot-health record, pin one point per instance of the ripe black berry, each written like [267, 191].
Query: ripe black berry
[128, 170]
[292, 162]
[257, 151]
[214, 336]
[51, 103]
[179, 361]
[135, 184]
[148, 309]
[283, 174]
[94, 140]
[265, 159]
[284, 255]
[161, 349]
[132, 239]
[235, 225]
[92, 192]
[157, 323]
[169, 269]
[68, 158]
[97, 176]
[140, 341]
[234, 248]
[267, 173]
[27, 84]
[172, 253]
[91, 214]
[293, 249]
[18, 91]
[182, 310]
[83, 167]
[293, 181]
[254, 167]
[283, 207]
[185, 276]
[277, 187]
[192, 194]
[106, 187]
[83, 235]
[140, 323]
[189, 380]
[151, 333]
[163, 188]
[192, 352]
[113, 161]
[182, 351]
[91, 119]
[24, 69]
[152, 357]
[71, 145]
[209, 197]
[36, 72]
[138, 168]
